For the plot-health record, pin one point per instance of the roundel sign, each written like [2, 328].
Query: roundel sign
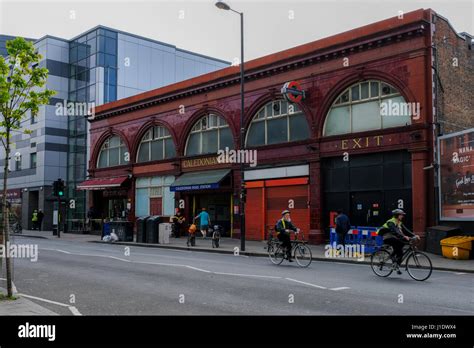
[293, 92]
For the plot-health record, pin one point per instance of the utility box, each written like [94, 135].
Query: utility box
[435, 234]
[458, 247]
[152, 230]
[165, 232]
[141, 229]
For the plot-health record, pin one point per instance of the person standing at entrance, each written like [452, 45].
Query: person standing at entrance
[40, 219]
[343, 225]
[204, 222]
[178, 221]
[34, 219]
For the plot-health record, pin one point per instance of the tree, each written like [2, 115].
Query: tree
[22, 90]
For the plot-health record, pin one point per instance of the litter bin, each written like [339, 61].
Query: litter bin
[458, 247]
[152, 231]
[141, 229]
[435, 234]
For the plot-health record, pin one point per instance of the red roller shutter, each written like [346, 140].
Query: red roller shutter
[254, 215]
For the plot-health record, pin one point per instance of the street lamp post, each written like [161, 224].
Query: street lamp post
[223, 6]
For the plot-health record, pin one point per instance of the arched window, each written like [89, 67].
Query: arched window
[210, 134]
[277, 122]
[113, 152]
[368, 105]
[156, 144]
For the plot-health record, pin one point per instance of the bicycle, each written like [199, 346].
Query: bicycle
[418, 264]
[299, 250]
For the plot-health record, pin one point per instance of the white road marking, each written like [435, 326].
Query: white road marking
[247, 275]
[340, 288]
[198, 269]
[118, 258]
[58, 250]
[309, 284]
[74, 310]
[159, 263]
[45, 300]
[460, 273]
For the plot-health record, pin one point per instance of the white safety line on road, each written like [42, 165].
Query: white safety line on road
[59, 250]
[159, 263]
[309, 284]
[198, 269]
[247, 275]
[73, 309]
[340, 288]
[118, 258]
[460, 273]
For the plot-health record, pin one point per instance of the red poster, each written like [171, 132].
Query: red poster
[456, 176]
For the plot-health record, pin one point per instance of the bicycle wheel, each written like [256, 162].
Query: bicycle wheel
[303, 255]
[419, 266]
[381, 263]
[275, 253]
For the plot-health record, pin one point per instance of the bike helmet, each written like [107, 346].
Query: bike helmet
[285, 212]
[398, 212]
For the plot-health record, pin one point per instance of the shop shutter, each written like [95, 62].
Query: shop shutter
[254, 215]
[277, 199]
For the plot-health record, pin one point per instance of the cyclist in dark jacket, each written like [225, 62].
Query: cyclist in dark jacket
[283, 228]
[395, 233]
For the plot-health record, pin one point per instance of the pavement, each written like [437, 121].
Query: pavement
[73, 278]
[21, 306]
[252, 248]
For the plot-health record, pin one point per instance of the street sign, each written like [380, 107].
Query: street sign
[292, 92]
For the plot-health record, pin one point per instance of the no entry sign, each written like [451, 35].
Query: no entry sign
[292, 92]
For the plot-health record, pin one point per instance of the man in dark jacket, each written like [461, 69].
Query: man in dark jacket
[343, 225]
[283, 228]
[40, 219]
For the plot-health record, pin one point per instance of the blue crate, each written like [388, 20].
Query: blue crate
[363, 235]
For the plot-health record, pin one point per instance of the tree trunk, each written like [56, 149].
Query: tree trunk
[5, 217]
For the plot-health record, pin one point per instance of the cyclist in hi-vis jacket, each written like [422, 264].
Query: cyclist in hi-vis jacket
[283, 228]
[394, 233]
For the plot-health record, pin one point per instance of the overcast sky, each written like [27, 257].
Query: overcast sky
[197, 25]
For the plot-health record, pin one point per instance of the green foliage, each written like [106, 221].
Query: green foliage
[22, 84]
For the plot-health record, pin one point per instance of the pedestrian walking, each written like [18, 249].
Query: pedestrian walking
[178, 223]
[204, 221]
[40, 219]
[343, 225]
[34, 220]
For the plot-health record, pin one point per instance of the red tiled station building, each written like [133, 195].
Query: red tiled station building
[359, 140]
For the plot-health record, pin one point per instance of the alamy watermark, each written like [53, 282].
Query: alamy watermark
[69, 108]
[393, 108]
[237, 156]
[19, 251]
[350, 251]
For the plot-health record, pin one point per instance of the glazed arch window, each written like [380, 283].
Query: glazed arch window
[277, 122]
[113, 152]
[369, 105]
[210, 134]
[157, 144]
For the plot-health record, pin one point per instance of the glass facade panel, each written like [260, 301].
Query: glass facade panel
[226, 139]
[209, 141]
[298, 128]
[170, 150]
[157, 150]
[277, 131]
[144, 152]
[256, 135]
[366, 116]
[194, 147]
[338, 121]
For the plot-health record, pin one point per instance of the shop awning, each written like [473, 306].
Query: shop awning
[102, 183]
[209, 179]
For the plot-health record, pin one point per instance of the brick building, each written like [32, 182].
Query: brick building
[361, 139]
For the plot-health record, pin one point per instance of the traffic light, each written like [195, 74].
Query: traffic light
[58, 188]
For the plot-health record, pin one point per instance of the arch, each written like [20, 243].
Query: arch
[111, 133]
[264, 112]
[352, 79]
[142, 131]
[196, 117]
[100, 141]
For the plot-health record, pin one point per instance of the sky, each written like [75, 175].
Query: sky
[199, 26]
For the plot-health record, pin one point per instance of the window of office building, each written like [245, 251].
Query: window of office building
[277, 122]
[153, 196]
[210, 134]
[17, 163]
[33, 160]
[156, 144]
[369, 105]
[114, 152]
